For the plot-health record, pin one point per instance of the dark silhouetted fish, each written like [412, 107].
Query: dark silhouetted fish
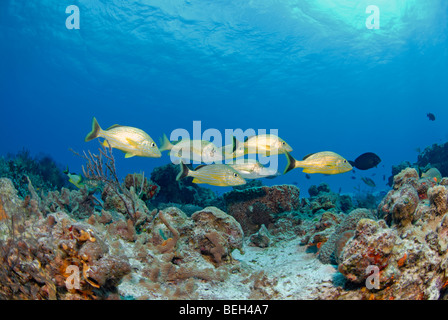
[431, 116]
[366, 161]
[368, 182]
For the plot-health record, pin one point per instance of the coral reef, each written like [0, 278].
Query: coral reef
[409, 252]
[117, 242]
[43, 172]
[322, 198]
[36, 254]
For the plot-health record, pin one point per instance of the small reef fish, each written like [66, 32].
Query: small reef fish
[192, 150]
[368, 182]
[433, 174]
[130, 140]
[431, 116]
[75, 179]
[326, 162]
[366, 161]
[253, 169]
[79, 181]
[265, 144]
[220, 175]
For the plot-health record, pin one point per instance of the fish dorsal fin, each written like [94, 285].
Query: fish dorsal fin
[132, 142]
[308, 155]
[199, 167]
[114, 126]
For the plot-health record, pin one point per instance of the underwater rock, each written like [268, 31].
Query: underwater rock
[400, 205]
[262, 238]
[371, 245]
[327, 252]
[9, 199]
[260, 205]
[45, 248]
[408, 175]
[438, 197]
[216, 233]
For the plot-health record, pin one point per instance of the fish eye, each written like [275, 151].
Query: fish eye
[153, 144]
[235, 175]
[284, 143]
[345, 161]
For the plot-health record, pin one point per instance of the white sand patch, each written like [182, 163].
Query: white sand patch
[299, 273]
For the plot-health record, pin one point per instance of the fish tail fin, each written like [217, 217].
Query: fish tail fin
[165, 144]
[96, 129]
[184, 171]
[235, 143]
[291, 162]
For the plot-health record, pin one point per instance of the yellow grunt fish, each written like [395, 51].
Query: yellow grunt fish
[130, 140]
[214, 174]
[325, 162]
[192, 150]
[433, 174]
[265, 144]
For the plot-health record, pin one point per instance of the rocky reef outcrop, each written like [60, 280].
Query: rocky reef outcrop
[48, 254]
[403, 254]
[257, 206]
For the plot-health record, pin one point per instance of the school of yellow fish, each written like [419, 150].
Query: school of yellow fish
[136, 142]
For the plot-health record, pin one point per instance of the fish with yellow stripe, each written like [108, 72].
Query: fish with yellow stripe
[265, 144]
[216, 174]
[326, 162]
[132, 141]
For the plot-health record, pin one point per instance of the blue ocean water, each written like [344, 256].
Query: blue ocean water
[310, 69]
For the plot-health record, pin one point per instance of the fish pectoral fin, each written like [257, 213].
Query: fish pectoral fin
[129, 155]
[106, 143]
[132, 142]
